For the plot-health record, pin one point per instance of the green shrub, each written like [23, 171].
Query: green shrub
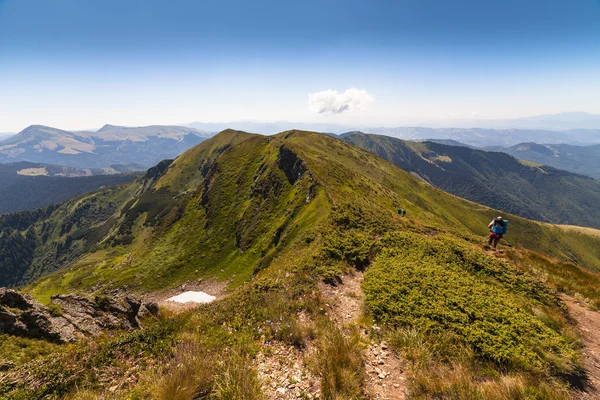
[439, 286]
[55, 310]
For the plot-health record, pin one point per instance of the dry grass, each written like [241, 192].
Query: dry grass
[580, 229]
[460, 382]
[340, 365]
[237, 379]
[188, 375]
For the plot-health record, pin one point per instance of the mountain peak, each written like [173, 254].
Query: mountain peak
[109, 127]
[145, 145]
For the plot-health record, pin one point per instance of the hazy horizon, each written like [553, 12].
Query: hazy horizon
[559, 122]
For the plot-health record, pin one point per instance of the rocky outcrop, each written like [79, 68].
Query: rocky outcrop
[69, 316]
[290, 164]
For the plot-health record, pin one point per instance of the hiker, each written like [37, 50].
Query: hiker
[497, 228]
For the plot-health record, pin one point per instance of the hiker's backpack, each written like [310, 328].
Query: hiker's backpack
[505, 227]
[498, 229]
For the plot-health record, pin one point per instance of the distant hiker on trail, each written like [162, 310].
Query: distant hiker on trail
[497, 227]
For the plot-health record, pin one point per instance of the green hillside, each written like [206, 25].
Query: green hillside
[494, 179]
[274, 217]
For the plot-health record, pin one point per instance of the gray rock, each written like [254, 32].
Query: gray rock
[7, 320]
[13, 299]
[148, 309]
[72, 317]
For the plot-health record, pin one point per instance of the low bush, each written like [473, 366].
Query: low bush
[439, 287]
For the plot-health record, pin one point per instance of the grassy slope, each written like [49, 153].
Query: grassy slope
[428, 282]
[365, 175]
[193, 240]
[224, 231]
[494, 179]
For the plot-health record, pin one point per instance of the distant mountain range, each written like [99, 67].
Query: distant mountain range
[270, 128]
[560, 121]
[495, 179]
[571, 128]
[481, 137]
[567, 121]
[25, 185]
[110, 145]
[579, 159]
[583, 160]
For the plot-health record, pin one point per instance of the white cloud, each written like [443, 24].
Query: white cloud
[474, 114]
[332, 102]
[454, 113]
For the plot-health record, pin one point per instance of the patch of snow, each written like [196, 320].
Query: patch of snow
[192, 297]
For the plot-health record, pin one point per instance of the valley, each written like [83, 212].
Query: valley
[28, 186]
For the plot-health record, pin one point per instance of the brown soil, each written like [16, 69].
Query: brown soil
[344, 298]
[384, 372]
[588, 322]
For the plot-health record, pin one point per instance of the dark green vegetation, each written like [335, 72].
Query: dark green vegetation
[579, 159]
[494, 179]
[274, 216]
[26, 186]
[111, 145]
[438, 284]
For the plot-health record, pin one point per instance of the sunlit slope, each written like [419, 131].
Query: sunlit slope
[494, 179]
[347, 172]
[229, 206]
[223, 210]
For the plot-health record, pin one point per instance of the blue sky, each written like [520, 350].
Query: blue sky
[79, 64]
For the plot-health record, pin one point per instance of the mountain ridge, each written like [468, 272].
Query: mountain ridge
[285, 222]
[110, 145]
[495, 179]
[156, 193]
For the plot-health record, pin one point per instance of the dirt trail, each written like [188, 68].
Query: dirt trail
[385, 379]
[588, 322]
[285, 374]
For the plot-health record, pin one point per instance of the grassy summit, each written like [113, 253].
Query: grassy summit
[275, 217]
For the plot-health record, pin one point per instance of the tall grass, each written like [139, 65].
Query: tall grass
[237, 379]
[188, 375]
[340, 365]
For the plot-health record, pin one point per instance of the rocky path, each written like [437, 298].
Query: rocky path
[284, 374]
[588, 322]
[385, 379]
